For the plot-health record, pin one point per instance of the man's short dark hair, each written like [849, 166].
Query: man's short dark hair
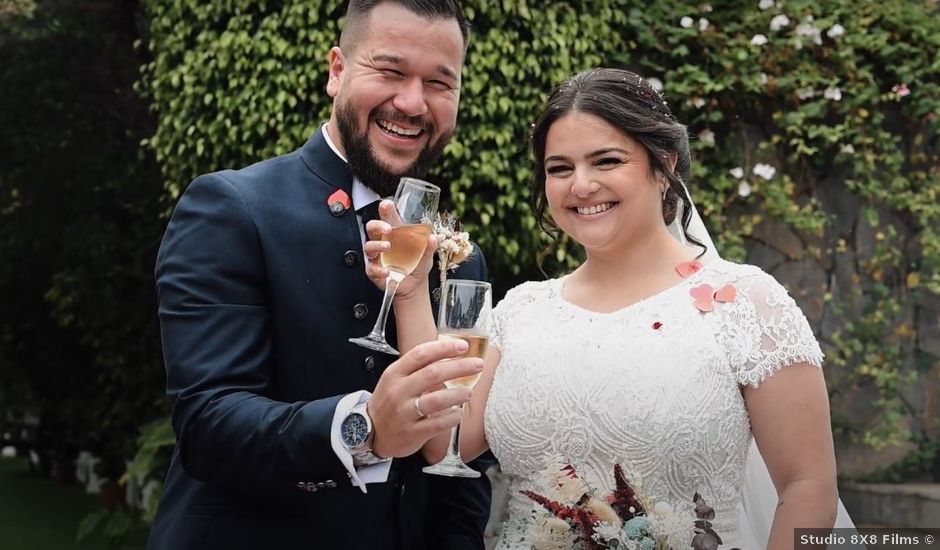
[358, 12]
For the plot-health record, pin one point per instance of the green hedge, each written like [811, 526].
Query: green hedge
[821, 96]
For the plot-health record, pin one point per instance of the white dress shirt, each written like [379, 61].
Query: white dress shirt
[376, 473]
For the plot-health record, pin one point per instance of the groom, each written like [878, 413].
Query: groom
[261, 281]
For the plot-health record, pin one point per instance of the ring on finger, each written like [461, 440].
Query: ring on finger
[417, 405]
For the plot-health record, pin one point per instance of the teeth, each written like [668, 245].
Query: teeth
[596, 209]
[391, 127]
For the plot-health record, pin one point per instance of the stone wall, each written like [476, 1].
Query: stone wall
[830, 278]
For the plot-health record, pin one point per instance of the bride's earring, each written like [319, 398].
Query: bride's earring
[675, 227]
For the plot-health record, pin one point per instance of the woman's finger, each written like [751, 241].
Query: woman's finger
[376, 229]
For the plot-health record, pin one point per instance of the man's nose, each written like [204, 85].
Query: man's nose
[410, 98]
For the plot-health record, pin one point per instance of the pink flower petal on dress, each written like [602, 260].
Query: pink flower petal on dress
[726, 294]
[687, 269]
[703, 297]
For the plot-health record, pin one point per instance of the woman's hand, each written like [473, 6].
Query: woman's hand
[376, 231]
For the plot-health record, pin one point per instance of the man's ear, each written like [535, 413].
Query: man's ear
[337, 64]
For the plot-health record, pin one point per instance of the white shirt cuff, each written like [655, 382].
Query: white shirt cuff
[375, 473]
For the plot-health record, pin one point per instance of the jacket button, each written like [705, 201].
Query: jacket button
[337, 209]
[369, 364]
[350, 258]
[360, 311]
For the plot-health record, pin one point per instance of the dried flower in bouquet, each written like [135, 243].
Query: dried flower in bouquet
[453, 245]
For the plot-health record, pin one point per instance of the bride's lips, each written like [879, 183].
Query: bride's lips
[593, 211]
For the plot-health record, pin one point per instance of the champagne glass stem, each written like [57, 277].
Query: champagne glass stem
[391, 285]
[453, 448]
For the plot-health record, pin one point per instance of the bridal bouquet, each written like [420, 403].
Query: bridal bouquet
[625, 519]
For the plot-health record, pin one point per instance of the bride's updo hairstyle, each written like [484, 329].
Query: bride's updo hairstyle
[629, 103]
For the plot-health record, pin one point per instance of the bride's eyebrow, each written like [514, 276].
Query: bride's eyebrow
[606, 150]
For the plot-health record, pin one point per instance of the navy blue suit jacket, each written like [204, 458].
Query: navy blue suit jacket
[260, 287]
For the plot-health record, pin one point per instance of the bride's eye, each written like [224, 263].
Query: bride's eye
[557, 170]
[609, 162]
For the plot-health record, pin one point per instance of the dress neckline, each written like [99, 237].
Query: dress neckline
[558, 286]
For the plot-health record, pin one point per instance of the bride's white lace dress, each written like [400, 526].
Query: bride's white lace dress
[655, 386]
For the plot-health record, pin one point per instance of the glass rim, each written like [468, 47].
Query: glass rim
[424, 185]
[467, 282]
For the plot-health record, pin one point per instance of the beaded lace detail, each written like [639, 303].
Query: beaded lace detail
[655, 386]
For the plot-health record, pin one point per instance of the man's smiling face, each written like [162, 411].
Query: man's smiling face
[395, 95]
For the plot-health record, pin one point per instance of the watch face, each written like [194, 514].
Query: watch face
[355, 430]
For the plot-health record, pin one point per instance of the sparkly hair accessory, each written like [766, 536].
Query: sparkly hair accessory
[651, 97]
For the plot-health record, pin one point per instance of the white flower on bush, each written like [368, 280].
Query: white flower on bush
[703, 24]
[835, 31]
[707, 8]
[707, 136]
[805, 93]
[765, 171]
[698, 102]
[744, 189]
[807, 29]
[833, 93]
[848, 149]
[656, 83]
[779, 22]
[758, 40]
[737, 172]
[686, 22]
[765, 4]
[763, 79]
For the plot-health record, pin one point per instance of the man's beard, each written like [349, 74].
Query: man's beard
[366, 167]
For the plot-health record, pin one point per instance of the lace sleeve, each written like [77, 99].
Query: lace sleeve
[507, 309]
[767, 331]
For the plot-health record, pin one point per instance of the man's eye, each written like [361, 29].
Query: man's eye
[440, 84]
[393, 72]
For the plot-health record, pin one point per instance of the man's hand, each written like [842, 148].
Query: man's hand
[376, 230]
[399, 429]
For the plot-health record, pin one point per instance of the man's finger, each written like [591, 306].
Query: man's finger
[443, 400]
[432, 376]
[433, 425]
[425, 354]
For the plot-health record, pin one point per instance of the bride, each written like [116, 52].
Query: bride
[655, 357]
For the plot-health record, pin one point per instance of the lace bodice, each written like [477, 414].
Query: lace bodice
[655, 386]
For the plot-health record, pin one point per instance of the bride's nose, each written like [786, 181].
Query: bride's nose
[583, 186]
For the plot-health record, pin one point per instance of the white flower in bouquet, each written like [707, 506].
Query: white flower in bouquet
[453, 245]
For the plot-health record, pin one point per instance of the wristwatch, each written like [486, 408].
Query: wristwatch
[356, 434]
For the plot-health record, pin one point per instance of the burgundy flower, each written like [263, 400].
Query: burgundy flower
[624, 497]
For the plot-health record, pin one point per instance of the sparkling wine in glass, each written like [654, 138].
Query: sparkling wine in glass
[415, 206]
[466, 313]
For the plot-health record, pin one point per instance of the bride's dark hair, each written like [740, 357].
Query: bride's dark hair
[628, 102]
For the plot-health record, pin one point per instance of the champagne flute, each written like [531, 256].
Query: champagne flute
[415, 206]
[466, 313]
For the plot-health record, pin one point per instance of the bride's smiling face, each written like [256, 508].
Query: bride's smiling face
[598, 183]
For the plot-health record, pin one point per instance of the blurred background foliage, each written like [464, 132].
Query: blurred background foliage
[814, 129]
